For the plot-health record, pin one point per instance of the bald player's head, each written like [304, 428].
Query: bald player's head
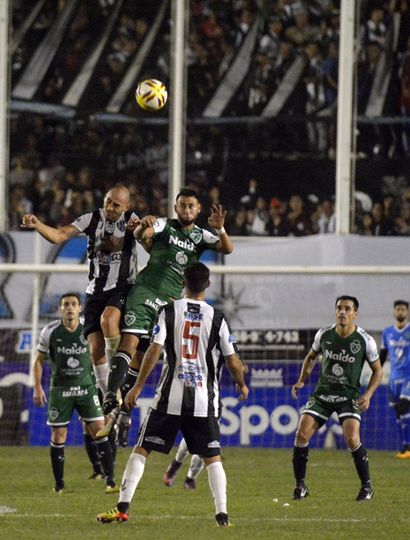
[116, 202]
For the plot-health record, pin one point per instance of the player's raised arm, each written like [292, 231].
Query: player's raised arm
[52, 234]
[217, 221]
[145, 231]
[39, 396]
[307, 367]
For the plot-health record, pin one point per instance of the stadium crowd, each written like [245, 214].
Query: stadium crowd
[69, 165]
[59, 173]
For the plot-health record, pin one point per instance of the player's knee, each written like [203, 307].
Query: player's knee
[109, 325]
[212, 459]
[352, 440]
[97, 349]
[97, 356]
[302, 436]
[402, 407]
[128, 343]
[58, 437]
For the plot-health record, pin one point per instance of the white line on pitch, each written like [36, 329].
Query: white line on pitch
[191, 518]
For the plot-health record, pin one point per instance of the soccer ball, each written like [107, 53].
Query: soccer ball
[151, 95]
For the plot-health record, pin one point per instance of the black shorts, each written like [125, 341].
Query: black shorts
[96, 303]
[159, 430]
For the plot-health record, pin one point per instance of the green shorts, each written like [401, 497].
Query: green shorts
[141, 311]
[64, 399]
[322, 407]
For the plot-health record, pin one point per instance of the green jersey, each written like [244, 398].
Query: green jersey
[69, 355]
[342, 362]
[173, 250]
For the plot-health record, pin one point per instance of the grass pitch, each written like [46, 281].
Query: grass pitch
[260, 483]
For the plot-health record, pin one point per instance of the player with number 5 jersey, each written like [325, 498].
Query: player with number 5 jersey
[197, 343]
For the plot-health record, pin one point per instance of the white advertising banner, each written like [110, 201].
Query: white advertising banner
[256, 301]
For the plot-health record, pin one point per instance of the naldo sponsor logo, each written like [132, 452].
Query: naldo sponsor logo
[341, 356]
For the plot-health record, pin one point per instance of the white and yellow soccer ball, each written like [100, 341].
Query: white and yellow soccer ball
[151, 95]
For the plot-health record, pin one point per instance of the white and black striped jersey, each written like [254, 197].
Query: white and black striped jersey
[196, 337]
[112, 251]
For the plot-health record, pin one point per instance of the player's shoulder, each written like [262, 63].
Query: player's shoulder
[82, 222]
[388, 329]
[372, 353]
[53, 325]
[367, 338]
[325, 331]
[48, 331]
[162, 224]
[365, 335]
[206, 235]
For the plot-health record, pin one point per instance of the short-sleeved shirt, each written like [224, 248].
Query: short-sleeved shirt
[196, 338]
[69, 355]
[112, 251]
[173, 250]
[342, 362]
[397, 343]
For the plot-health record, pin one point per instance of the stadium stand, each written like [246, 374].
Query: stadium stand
[265, 69]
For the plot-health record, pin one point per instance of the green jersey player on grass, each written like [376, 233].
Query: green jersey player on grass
[72, 388]
[345, 348]
[173, 244]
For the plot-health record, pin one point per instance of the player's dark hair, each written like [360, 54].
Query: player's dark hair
[69, 294]
[401, 303]
[196, 277]
[186, 192]
[347, 297]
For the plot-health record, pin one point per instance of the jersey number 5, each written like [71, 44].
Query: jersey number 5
[191, 340]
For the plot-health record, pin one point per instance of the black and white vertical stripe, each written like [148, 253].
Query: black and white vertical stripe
[108, 270]
[190, 386]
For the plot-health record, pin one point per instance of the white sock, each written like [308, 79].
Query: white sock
[182, 451]
[111, 346]
[101, 376]
[196, 466]
[217, 483]
[131, 477]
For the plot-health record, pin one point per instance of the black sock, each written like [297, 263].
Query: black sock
[92, 453]
[123, 507]
[106, 458]
[57, 463]
[118, 369]
[130, 379]
[361, 461]
[300, 459]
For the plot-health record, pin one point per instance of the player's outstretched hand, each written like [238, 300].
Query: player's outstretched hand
[133, 224]
[148, 221]
[217, 217]
[297, 386]
[29, 221]
[243, 392]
